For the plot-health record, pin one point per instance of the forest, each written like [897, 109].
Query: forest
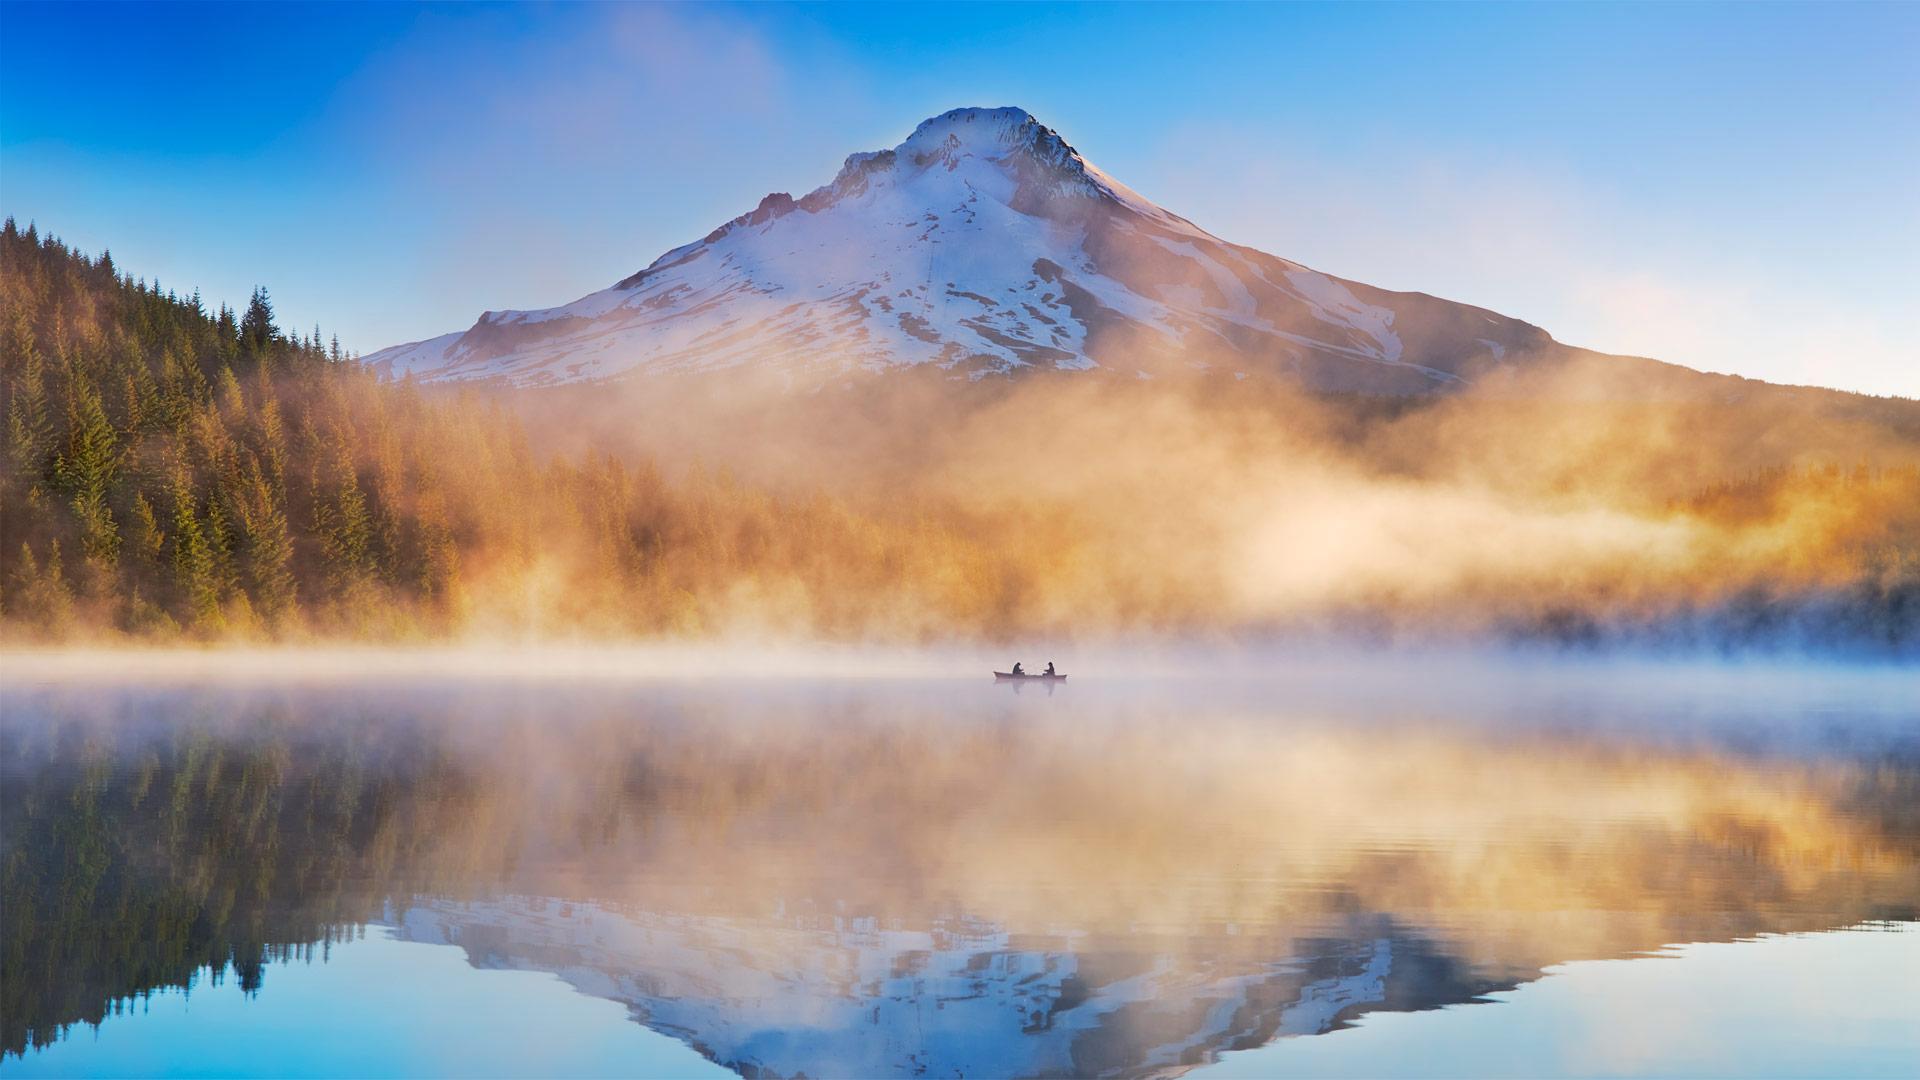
[175, 472]
[195, 854]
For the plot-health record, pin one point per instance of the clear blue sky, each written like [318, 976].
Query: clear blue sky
[1732, 187]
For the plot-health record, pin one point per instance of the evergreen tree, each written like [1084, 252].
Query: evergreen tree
[257, 332]
[148, 538]
[273, 445]
[41, 595]
[29, 427]
[193, 567]
[220, 547]
[86, 470]
[269, 546]
[231, 397]
[346, 529]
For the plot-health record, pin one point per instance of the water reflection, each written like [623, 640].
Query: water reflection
[854, 997]
[877, 878]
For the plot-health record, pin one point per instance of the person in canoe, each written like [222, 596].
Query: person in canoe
[1016, 668]
[1050, 671]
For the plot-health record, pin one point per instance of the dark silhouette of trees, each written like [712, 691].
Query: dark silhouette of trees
[137, 863]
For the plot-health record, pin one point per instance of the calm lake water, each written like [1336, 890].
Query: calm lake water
[1433, 868]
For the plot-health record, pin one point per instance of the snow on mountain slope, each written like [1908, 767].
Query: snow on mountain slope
[961, 997]
[983, 244]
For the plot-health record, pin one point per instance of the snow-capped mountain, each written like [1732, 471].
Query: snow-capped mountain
[982, 245]
[958, 997]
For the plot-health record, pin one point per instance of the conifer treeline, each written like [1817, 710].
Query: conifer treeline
[175, 471]
[196, 851]
[171, 472]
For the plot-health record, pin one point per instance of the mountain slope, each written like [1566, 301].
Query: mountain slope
[983, 244]
[169, 471]
[962, 997]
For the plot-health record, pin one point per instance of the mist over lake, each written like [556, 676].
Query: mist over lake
[898, 873]
[838, 541]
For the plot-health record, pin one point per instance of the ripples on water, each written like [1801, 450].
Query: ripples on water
[881, 877]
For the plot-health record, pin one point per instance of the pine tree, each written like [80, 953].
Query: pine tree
[42, 595]
[257, 332]
[26, 571]
[269, 546]
[231, 398]
[86, 471]
[29, 428]
[193, 570]
[148, 538]
[273, 443]
[346, 530]
[440, 559]
[226, 330]
[136, 399]
[220, 547]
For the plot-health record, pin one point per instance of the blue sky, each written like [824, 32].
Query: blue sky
[1731, 187]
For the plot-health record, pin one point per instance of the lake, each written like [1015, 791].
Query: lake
[539, 865]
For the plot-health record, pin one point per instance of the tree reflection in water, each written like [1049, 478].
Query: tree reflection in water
[875, 878]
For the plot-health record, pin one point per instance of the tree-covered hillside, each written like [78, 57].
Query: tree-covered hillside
[178, 473]
[173, 470]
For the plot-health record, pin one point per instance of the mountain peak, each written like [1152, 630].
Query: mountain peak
[986, 132]
[1007, 139]
[1038, 158]
[981, 244]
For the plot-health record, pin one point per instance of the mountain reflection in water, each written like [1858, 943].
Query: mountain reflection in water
[876, 878]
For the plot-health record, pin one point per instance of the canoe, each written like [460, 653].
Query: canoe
[1008, 676]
